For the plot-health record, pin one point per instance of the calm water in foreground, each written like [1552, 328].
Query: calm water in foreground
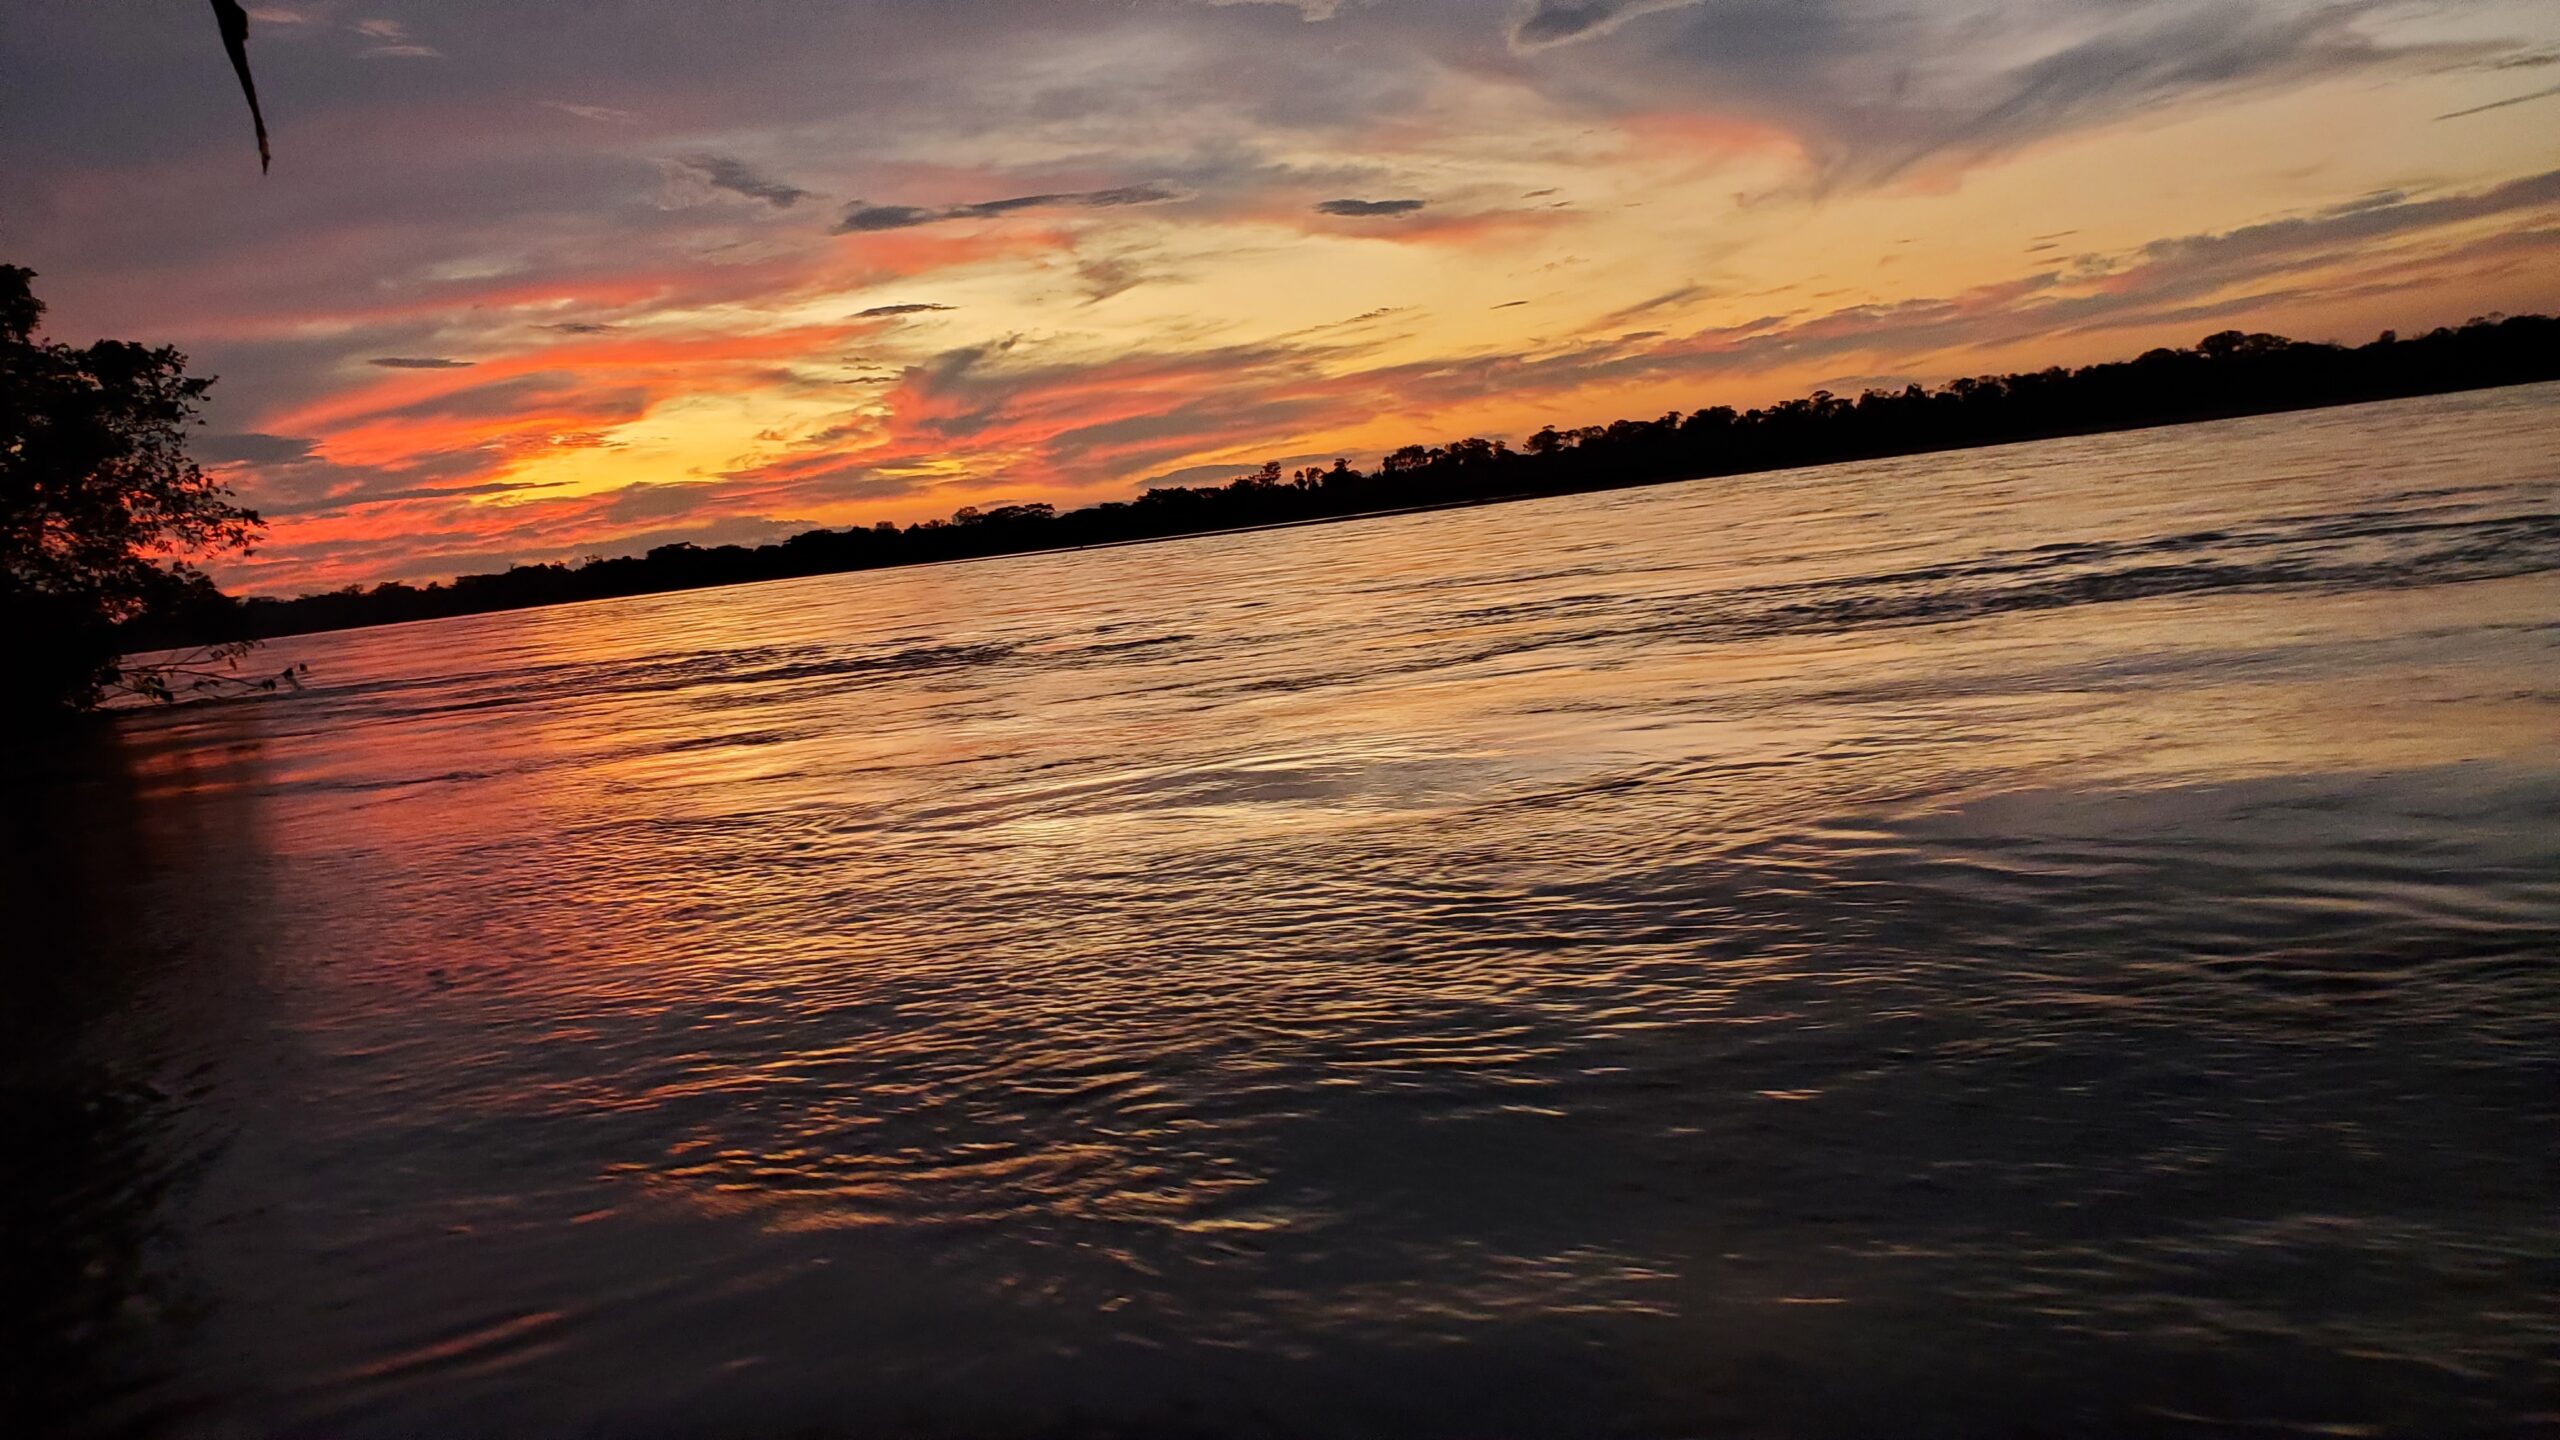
[2058, 940]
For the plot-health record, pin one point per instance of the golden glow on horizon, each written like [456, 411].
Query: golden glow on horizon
[1169, 283]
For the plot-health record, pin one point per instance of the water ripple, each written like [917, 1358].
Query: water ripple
[2048, 939]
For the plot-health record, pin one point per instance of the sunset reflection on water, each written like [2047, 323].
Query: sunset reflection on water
[2058, 931]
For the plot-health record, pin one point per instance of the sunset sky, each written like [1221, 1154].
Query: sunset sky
[534, 281]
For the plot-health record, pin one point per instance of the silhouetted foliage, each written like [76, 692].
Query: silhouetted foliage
[2226, 375]
[100, 514]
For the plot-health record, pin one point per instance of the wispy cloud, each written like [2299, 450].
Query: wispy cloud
[861, 217]
[1667, 300]
[1874, 90]
[526, 287]
[603, 114]
[2500, 104]
[251, 447]
[392, 41]
[1363, 208]
[1558, 22]
[2356, 223]
[1117, 274]
[723, 172]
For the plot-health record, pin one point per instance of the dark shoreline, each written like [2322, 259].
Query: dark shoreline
[2227, 377]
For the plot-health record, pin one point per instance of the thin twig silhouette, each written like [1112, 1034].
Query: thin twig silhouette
[235, 40]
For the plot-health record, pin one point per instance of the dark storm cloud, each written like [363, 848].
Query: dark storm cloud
[418, 362]
[912, 307]
[1357, 208]
[861, 218]
[723, 172]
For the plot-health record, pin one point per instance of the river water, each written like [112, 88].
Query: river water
[2053, 940]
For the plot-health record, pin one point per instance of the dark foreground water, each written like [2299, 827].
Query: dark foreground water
[2061, 940]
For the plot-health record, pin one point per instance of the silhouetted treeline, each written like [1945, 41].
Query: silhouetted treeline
[2225, 375]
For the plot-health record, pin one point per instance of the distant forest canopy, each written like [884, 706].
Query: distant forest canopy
[2228, 374]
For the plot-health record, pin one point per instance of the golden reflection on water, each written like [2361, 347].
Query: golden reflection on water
[1710, 928]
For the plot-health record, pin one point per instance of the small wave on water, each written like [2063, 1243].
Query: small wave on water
[2062, 945]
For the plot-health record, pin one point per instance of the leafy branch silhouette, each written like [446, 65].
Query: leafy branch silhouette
[206, 671]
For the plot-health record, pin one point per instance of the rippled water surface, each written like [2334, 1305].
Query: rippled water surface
[2055, 940]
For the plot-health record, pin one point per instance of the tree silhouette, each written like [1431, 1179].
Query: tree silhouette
[2226, 374]
[101, 513]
